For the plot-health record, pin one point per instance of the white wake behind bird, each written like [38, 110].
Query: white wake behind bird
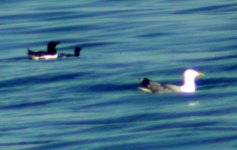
[189, 86]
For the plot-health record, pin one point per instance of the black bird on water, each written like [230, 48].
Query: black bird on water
[50, 54]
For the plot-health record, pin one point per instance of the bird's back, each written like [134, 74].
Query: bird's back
[153, 87]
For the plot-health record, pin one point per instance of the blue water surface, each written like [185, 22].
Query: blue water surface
[93, 103]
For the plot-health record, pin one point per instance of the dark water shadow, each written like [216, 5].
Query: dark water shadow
[96, 44]
[110, 87]
[153, 35]
[146, 117]
[210, 9]
[25, 104]
[19, 144]
[218, 82]
[41, 79]
[14, 59]
[174, 144]
[218, 58]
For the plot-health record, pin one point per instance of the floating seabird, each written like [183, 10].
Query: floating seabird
[77, 51]
[188, 86]
[49, 55]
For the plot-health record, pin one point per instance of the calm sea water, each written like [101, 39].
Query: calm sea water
[93, 103]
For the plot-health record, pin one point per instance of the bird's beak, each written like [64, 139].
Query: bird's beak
[201, 75]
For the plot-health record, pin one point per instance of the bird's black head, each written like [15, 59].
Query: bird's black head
[52, 47]
[144, 81]
[77, 51]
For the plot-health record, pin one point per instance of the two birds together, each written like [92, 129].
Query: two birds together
[52, 53]
[146, 85]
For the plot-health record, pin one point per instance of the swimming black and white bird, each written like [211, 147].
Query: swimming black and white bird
[77, 52]
[189, 86]
[51, 53]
